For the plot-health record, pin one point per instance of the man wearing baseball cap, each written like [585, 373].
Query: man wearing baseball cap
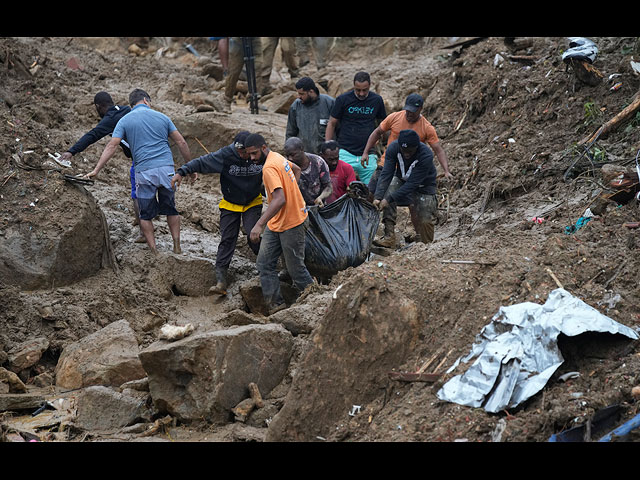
[409, 118]
[241, 185]
[408, 178]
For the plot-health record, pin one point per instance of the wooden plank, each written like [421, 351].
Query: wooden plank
[414, 376]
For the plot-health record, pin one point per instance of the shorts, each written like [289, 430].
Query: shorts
[154, 192]
[364, 173]
[132, 177]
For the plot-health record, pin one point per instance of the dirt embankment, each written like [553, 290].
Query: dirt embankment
[510, 122]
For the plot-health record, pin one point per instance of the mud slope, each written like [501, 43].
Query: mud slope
[511, 122]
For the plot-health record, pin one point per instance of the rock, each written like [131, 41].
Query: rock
[205, 375]
[369, 329]
[280, 103]
[103, 408]
[27, 354]
[12, 381]
[17, 401]
[106, 357]
[65, 251]
[239, 317]
[300, 318]
[251, 292]
[213, 70]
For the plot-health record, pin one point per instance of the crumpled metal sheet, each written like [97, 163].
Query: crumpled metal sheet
[517, 352]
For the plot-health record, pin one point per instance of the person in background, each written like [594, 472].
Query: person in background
[308, 115]
[409, 118]
[341, 173]
[354, 116]
[315, 179]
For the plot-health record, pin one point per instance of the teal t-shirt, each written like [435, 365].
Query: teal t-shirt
[147, 132]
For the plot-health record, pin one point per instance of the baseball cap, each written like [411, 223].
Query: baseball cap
[408, 139]
[413, 103]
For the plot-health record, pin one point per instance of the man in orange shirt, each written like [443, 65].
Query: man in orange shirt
[409, 118]
[282, 225]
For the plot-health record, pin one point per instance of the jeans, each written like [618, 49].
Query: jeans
[290, 244]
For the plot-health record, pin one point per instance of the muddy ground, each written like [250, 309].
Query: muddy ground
[509, 121]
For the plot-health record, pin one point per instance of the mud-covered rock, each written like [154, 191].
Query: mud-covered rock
[206, 375]
[368, 330]
[106, 357]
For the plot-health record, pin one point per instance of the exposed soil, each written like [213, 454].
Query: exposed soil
[510, 127]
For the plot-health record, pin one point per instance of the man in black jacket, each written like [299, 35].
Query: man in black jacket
[241, 182]
[109, 116]
[408, 178]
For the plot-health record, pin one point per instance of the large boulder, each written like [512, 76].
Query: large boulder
[369, 329]
[61, 239]
[106, 357]
[205, 375]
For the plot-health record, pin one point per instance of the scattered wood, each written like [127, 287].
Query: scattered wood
[524, 58]
[626, 114]
[615, 275]
[255, 395]
[414, 376]
[465, 43]
[469, 262]
[518, 43]
[555, 279]
[585, 71]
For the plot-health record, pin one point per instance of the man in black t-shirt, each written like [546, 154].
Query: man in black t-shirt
[354, 116]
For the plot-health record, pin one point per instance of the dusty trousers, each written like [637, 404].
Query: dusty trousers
[423, 210]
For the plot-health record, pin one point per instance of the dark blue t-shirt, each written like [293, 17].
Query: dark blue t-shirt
[357, 119]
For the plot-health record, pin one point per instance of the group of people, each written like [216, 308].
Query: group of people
[327, 147]
[296, 53]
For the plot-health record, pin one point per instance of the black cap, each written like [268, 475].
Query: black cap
[413, 103]
[240, 138]
[408, 139]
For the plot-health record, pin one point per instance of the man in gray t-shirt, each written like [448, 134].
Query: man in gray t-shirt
[308, 115]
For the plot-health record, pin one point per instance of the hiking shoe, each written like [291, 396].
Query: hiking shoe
[219, 288]
[387, 241]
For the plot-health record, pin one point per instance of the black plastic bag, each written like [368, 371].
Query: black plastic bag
[339, 235]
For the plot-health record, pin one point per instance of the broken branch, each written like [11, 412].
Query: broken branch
[615, 122]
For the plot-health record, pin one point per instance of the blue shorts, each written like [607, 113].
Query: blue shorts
[132, 176]
[154, 192]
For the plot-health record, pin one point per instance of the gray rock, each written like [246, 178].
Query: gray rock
[204, 376]
[103, 408]
[106, 357]
[27, 354]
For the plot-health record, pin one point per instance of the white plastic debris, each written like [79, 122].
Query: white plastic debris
[517, 353]
[175, 332]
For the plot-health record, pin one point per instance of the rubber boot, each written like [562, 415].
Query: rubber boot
[388, 240]
[220, 288]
